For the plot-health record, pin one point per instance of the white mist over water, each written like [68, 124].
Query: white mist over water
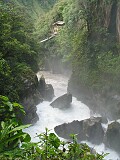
[50, 117]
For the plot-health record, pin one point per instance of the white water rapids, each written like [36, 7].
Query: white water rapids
[50, 117]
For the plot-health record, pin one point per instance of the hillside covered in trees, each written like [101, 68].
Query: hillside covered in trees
[86, 45]
[89, 41]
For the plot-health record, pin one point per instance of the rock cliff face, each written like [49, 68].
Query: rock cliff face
[103, 14]
[29, 98]
[33, 93]
[106, 101]
[118, 22]
[112, 18]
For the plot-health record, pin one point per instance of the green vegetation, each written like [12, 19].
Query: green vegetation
[15, 144]
[18, 50]
[87, 41]
[11, 134]
[58, 48]
[36, 8]
[21, 54]
[96, 49]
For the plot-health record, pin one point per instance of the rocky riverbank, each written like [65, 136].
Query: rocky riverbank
[105, 101]
[92, 130]
[35, 91]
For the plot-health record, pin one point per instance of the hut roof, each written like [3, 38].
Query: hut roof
[59, 23]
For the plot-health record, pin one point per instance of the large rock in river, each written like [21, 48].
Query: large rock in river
[62, 101]
[49, 92]
[93, 130]
[89, 129]
[112, 137]
[46, 90]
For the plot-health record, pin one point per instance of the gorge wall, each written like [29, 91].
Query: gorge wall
[100, 89]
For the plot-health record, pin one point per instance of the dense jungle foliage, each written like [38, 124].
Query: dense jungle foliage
[18, 50]
[36, 8]
[85, 41]
[91, 45]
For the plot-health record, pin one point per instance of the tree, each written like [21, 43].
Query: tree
[18, 46]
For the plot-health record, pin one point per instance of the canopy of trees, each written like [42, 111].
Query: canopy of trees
[18, 49]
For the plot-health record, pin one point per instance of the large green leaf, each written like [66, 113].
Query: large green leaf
[54, 140]
[16, 136]
[10, 106]
[5, 130]
[4, 98]
[17, 105]
[20, 128]
[26, 138]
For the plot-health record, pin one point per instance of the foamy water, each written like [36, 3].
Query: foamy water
[50, 117]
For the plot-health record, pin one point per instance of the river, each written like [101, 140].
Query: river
[50, 117]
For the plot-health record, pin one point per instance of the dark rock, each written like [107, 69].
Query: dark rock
[31, 115]
[104, 120]
[42, 86]
[33, 92]
[62, 101]
[89, 129]
[29, 102]
[29, 98]
[93, 130]
[46, 90]
[75, 127]
[100, 101]
[49, 92]
[112, 137]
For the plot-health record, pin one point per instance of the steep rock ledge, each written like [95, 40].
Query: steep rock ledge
[105, 101]
[33, 93]
[104, 96]
[29, 98]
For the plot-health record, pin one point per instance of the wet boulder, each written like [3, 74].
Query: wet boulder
[89, 129]
[30, 110]
[93, 130]
[104, 120]
[75, 127]
[42, 85]
[49, 92]
[46, 90]
[62, 101]
[112, 137]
